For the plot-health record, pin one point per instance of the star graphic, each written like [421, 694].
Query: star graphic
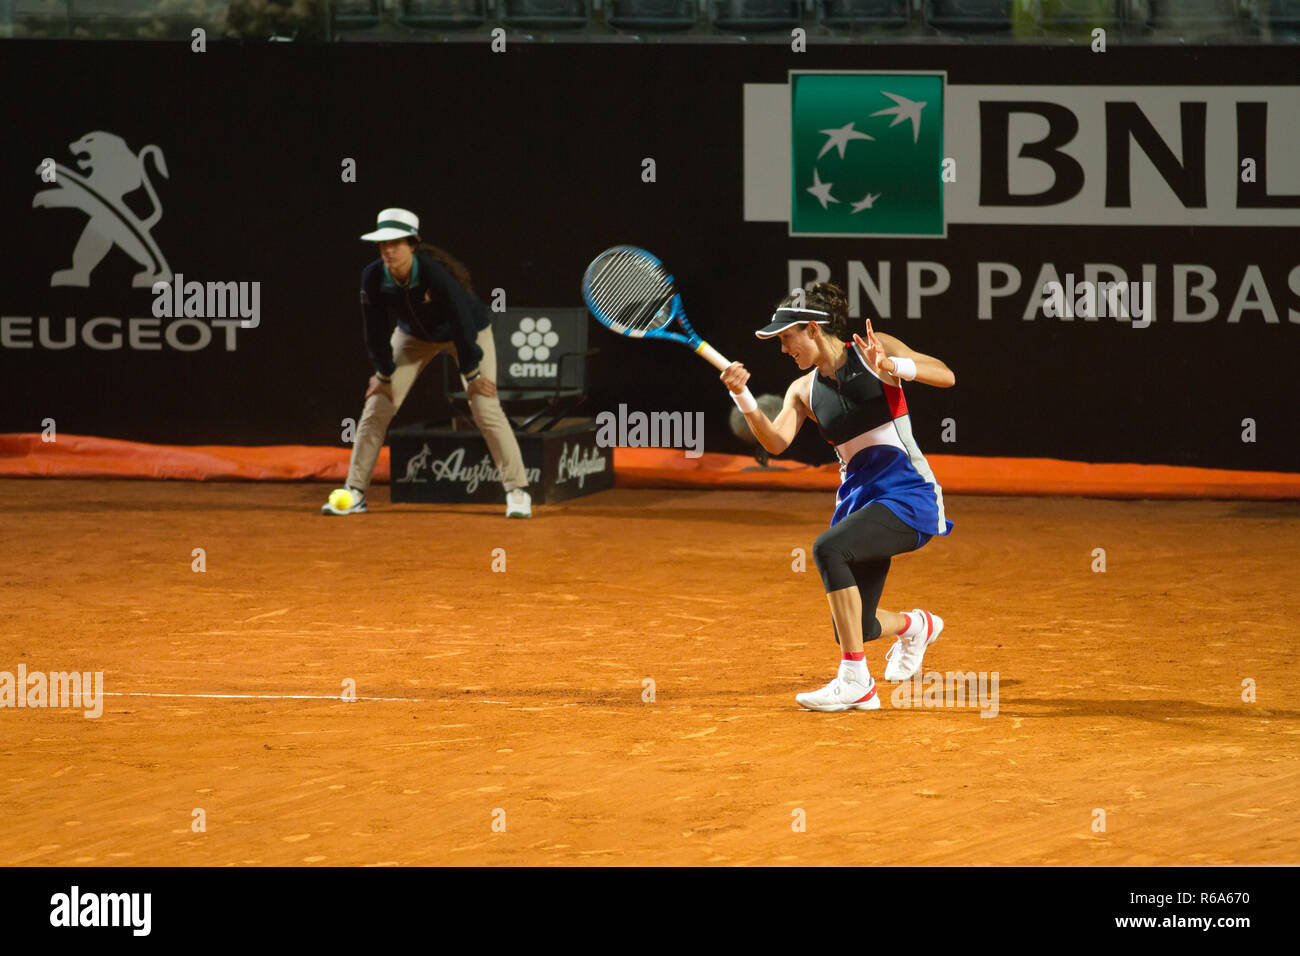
[866, 202]
[905, 110]
[821, 190]
[839, 138]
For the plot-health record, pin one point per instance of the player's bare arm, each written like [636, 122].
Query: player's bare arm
[880, 348]
[774, 435]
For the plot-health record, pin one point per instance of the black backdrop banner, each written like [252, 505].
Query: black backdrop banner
[231, 167]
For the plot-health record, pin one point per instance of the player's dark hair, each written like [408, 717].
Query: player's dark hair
[829, 298]
[447, 261]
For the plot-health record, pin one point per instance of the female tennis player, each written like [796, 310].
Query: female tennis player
[888, 501]
[426, 294]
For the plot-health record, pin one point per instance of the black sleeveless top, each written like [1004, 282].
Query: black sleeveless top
[851, 403]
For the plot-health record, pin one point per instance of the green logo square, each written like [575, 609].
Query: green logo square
[866, 154]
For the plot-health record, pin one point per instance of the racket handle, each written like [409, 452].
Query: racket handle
[712, 356]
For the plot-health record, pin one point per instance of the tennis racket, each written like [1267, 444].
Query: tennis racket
[630, 292]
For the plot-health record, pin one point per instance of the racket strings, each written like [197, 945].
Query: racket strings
[630, 291]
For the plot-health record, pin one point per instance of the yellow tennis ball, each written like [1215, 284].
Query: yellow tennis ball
[341, 499]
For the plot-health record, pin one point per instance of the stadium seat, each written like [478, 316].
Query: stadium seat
[1073, 16]
[651, 16]
[1194, 20]
[443, 14]
[754, 16]
[354, 14]
[545, 14]
[1283, 18]
[970, 16]
[847, 16]
[136, 19]
[39, 18]
[276, 20]
[114, 8]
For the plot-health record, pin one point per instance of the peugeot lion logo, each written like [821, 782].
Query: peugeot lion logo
[106, 171]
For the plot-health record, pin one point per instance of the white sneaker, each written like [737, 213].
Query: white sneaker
[358, 505]
[519, 504]
[904, 658]
[845, 692]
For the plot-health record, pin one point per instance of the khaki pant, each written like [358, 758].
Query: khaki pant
[412, 355]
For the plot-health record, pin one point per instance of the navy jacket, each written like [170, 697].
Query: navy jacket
[433, 307]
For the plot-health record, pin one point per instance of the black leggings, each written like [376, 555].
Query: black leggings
[856, 551]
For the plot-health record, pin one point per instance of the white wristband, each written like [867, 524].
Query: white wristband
[904, 368]
[744, 401]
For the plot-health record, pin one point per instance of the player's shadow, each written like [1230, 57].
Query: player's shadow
[805, 683]
[1156, 711]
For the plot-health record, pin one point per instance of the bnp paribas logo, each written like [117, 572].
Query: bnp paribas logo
[866, 154]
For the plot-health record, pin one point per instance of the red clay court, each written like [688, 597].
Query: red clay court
[520, 697]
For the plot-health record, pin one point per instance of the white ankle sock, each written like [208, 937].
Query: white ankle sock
[858, 669]
[915, 625]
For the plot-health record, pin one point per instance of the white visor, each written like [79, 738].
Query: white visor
[789, 316]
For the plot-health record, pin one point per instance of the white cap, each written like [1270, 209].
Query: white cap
[394, 224]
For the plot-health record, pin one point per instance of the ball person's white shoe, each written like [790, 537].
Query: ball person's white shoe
[904, 658]
[519, 504]
[358, 505]
[845, 692]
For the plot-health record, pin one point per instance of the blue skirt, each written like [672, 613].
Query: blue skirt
[885, 474]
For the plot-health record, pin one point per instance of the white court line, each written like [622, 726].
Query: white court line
[346, 700]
